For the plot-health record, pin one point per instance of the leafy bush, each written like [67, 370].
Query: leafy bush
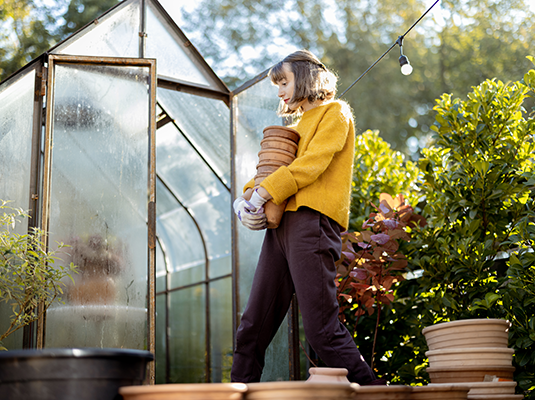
[480, 199]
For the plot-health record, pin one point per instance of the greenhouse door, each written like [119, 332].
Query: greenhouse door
[99, 198]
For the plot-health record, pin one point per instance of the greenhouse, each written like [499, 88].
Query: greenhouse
[124, 144]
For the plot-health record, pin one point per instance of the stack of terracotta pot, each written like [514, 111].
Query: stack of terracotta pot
[472, 353]
[278, 148]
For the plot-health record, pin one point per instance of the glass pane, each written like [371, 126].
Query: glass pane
[16, 124]
[183, 248]
[161, 268]
[256, 109]
[221, 329]
[197, 188]
[187, 335]
[161, 344]
[174, 59]
[206, 123]
[115, 35]
[99, 180]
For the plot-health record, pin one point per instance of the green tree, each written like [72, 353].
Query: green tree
[29, 28]
[459, 44]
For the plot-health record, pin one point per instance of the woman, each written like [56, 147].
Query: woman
[299, 256]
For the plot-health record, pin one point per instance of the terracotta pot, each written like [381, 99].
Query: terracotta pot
[394, 392]
[189, 391]
[281, 144]
[327, 375]
[496, 356]
[443, 392]
[268, 167]
[88, 290]
[278, 148]
[483, 388]
[276, 155]
[281, 132]
[467, 333]
[299, 390]
[468, 374]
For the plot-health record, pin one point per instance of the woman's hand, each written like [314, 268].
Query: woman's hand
[250, 216]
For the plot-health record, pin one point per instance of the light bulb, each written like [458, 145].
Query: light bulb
[406, 69]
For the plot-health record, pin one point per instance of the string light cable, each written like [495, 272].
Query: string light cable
[406, 67]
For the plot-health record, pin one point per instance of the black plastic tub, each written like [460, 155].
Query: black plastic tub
[67, 374]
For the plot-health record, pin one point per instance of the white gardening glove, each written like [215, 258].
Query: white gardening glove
[248, 215]
[256, 200]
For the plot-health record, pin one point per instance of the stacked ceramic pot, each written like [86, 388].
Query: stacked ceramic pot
[278, 148]
[472, 353]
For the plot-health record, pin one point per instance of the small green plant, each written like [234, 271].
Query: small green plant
[371, 263]
[29, 282]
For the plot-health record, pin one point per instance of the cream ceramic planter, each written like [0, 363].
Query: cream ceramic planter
[300, 390]
[186, 391]
[328, 375]
[442, 392]
[467, 333]
[483, 388]
[468, 374]
[484, 356]
[394, 392]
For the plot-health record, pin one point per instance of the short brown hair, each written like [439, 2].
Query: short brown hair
[313, 81]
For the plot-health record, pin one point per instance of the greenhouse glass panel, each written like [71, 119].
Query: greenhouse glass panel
[183, 248]
[161, 338]
[98, 203]
[210, 134]
[174, 59]
[187, 335]
[161, 268]
[221, 329]
[256, 109]
[116, 34]
[16, 127]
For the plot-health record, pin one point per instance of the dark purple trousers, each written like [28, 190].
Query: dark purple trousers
[299, 256]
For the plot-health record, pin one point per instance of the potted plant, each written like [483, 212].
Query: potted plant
[29, 284]
[29, 280]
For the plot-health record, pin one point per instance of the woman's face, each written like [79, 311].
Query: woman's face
[287, 86]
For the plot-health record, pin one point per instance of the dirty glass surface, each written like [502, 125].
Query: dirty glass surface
[16, 124]
[206, 124]
[256, 109]
[115, 35]
[198, 189]
[187, 335]
[98, 204]
[174, 59]
[221, 329]
[161, 343]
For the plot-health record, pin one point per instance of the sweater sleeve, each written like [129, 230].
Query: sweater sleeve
[329, 138]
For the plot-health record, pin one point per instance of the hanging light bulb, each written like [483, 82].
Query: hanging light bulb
[406, 67]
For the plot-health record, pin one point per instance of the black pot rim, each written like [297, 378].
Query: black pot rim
[85, 352]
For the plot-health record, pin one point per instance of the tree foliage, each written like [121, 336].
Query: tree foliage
[458, 45]
[28, 28]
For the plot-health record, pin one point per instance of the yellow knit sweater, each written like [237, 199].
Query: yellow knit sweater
[320, 176]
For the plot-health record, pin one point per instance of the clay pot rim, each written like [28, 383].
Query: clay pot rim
[461, 322]
[280, 151]
[480, 385]
[184, 388]
[281, 127]
[381, 388]
[463, 350]
[280, 139]
[495, 396]
[298, 385]
[327, 371]
[439, 387]
[466, 368]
